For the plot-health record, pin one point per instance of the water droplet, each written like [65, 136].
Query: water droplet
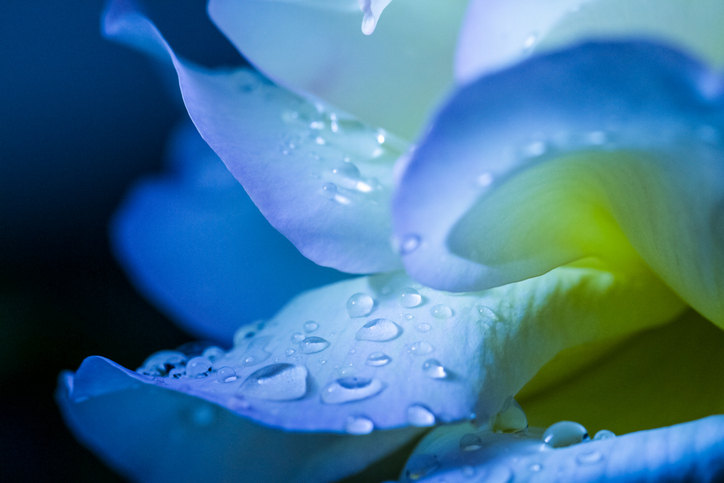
[377, 359]
[162, 362]
[276, 382]
[359, 425]
[310, 326]
[487, 312]
[432, 368]
[485, 179]
[511, 418]
[604, 434]
[421, 465]
[423, 327]
[565, 433]
[329, 190]
[226, 374]
[535, 149]
[470, 442]
[467, 471]
[372, 10]
[419, 415]
[198, 367]
[421, 348]
[378, 330]
[360, 305]
[347, 389]
[213, 353]
[535, 467]
[297, 337]
[312, 345]
[530, 41]
[409, 316]
[289, 352]
[256, 352]
[410, 298]
[409, 244]
[589, 458]
[177, 372]
[441, 311]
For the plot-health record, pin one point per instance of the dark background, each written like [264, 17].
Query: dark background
[80, 119]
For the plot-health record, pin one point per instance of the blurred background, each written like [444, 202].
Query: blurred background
[81, 118]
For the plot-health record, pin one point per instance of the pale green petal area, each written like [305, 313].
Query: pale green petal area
[391, 78]
[499, 33]
[462, 453]
[384, 352]
[151, 434]
[663, 376]
[320, 177]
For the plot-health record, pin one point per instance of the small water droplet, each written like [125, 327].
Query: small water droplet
[409, 316]
[485, 179]
[347, 389]
[589, 458]
[419, 415]
[604, 434]
[409, 244]
[226, 374]
[198, 367]
[312, 345]
[423, 327]
[432, 368]
[565, 433]
[377, 359]
[360, 305]
[487, 312]
[378, 330]
[410, 298]
[511, 418]
[530, 41]
[359, 425]
[297, 337]
[329, 190]
[310, 326]
[256, 352]
[289, 352]
[421, 348]
[535, 467]
[213, 353]
[470, 442]
[276, 382]
[441, 311]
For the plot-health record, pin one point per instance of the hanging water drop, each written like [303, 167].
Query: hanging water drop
[310, 326]
[409, 298]
[198, 367]
[347, 389]
[360, 305]
[377, 359]
[372, 10]
[312, 345]
[359, 425]
[419, 415]
[378, 330]
[276, 382]
[432, 368]
[470, 442]
[565, 433]
[511, 418]
[421, 348]
[604, 434]
[441, 311]
[226, 374]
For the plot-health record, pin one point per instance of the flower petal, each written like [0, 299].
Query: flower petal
[498, 33]
[390, 353]
[323, 180]
[391, 78]
[193, 241]
[607, 150]
[685, 452]
[151, 434]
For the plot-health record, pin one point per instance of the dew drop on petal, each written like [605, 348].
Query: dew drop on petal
[470, 442]
[409, 244]
[410, 298]
[297, 337]
[226, 374]
[421, 348]
[289, 352]
[312, 345]
[198, 367]
[604, 434]
[378, 330]
[310, 326]
[421, 465]
[423, 327]
[347, 389]
[487, 312]
[441, 311]
[360, 305]
[409, 316]
[177, 372]
[377, 359]
[589, 458]
[511, 418]
[329, 190]
[433, 369]
[419, 415]
[565, 433]
[359, 425]
[276, 382]
[213, 353]
[256, 352]
[162, 362]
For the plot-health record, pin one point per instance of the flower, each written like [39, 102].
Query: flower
[550, 193]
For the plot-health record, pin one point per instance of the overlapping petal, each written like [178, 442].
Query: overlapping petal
[193, 242]
[391, 78]
[321, 178]
[499, 33]
[606, 150]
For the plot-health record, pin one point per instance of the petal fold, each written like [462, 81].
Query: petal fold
[606, 150]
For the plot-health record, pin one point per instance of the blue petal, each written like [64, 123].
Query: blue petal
[195, 244]
[606, 150]
[151, 434]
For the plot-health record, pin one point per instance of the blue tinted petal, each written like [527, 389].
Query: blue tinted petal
[195, 244]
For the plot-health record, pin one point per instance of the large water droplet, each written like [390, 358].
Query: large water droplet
[419, 415]
[276, 382]
[377, 359]
[310, 326]
[349, 389]
[359, 425]
[589, 458]
[312, 345]
[409, 244]
[378, 330]
[441, 311]
[226, 374]
[510, 419]
[470, 442]
[410, 298]
[421, 348]
[198, 367]
[372, 10]
[604, 434]
[565, 433]
[432, 368]
[360, 305]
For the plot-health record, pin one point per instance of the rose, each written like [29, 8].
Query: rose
[612, 297]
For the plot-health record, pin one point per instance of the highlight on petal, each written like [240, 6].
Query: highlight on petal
[499, 33]
[151, 434]
[322, 178]
[392, 78]
[610, 151]
[383, 352]
[685, 452]
[194, 243]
